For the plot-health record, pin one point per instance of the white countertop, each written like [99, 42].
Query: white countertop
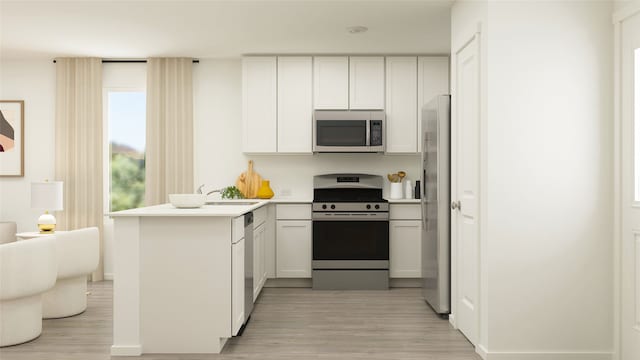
[289, 200]
[403, 201]
[225, 210]
[206, 210]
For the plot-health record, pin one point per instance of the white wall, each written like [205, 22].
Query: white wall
[34, 82]
[547, 246]
[219, 158]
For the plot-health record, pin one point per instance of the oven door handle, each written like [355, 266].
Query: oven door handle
[382, 216]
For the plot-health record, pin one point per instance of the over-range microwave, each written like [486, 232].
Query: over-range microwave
[348, 131]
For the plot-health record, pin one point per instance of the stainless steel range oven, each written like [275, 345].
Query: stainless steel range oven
[350, 232]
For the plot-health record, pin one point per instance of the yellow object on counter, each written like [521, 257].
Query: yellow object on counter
[265, 191]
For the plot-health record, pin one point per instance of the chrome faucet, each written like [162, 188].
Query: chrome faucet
[199, 191]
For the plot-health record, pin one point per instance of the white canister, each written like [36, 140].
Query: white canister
[408, 189]
[395, 190]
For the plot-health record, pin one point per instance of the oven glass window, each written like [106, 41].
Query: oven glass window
[350, 240]
[341, 133]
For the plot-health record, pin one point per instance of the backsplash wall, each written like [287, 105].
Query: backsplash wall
[218, 142]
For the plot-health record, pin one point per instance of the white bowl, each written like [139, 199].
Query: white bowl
[187, 201]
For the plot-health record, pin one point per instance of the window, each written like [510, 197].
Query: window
[126, 128]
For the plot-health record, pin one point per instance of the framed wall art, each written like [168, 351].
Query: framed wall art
[11, 138]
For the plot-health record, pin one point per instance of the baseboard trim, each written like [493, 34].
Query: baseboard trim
[131, 350]
[482, 351]
[306, 282]
[108, 276]
[288, 283]
[488, 355]
[405, 283]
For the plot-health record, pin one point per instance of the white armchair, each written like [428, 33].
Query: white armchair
[27, 269]
[8, 232]
[77, 254]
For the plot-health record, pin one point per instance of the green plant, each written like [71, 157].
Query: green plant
[231, 192]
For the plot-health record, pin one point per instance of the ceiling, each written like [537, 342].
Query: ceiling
[220, 29]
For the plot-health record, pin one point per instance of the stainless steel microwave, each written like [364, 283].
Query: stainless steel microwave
[348, 131]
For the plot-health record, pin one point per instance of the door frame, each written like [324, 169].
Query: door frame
[618, 18]
[471, 34]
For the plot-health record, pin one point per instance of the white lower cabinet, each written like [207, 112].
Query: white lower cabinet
[259, 263]
[405, 249]
[405, 241]
[237, 286]
[293, 248]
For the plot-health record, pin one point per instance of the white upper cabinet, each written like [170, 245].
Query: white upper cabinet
[401, 104]
[433, 79]
[259, 116]
[331, 82]
[295, 108]
[366, 82]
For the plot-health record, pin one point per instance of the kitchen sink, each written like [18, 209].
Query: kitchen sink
[231, 202]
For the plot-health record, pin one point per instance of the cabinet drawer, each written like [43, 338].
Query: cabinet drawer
[259, 216]
[237, 229]
[293, 211]
[405, 212]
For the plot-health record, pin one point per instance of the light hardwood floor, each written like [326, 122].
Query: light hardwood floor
[295, 323]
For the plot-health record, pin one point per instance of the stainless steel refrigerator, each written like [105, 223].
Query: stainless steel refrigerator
[435, 199]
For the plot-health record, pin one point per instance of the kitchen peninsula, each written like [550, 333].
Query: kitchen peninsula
[173, 277]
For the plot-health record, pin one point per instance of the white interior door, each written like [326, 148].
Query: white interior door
[630, 249]
[465, 187]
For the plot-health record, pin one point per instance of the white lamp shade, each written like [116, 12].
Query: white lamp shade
[46, 195]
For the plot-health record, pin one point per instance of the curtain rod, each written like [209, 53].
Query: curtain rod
[105, 61]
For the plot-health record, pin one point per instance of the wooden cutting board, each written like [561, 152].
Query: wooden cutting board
[249, 182]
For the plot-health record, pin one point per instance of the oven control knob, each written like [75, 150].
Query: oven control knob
[377, 207]
[368, 206]
[333, 207]
[324, 206]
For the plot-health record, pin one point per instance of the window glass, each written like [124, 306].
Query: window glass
[127, 118]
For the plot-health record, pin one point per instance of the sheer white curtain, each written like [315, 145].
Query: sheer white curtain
[169, 144]
[79, 145]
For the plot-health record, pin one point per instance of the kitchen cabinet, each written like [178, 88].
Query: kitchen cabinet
[401, 104]
[366, 82]
[295, 104]
[237, 286]
[293, 240]
[270, 241]
[259, 114]
[293, 249]
[405, 241]
[237, 274]
[259, 266]
[331, 82]
[433, 79]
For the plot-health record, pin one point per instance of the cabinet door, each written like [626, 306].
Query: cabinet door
[293, 248]
[237, 286]
[405, 253]
[295, 108]
[366, 82]
[259, 269]
[331, 82]
[401, 104]
[259, 104]
[270, 242]
[433, 79]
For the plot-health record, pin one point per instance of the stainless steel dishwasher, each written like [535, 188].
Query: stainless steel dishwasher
[248, 265]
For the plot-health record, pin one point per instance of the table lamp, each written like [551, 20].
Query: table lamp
[47, 196]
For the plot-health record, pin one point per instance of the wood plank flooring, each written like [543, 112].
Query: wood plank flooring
[287, 323]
